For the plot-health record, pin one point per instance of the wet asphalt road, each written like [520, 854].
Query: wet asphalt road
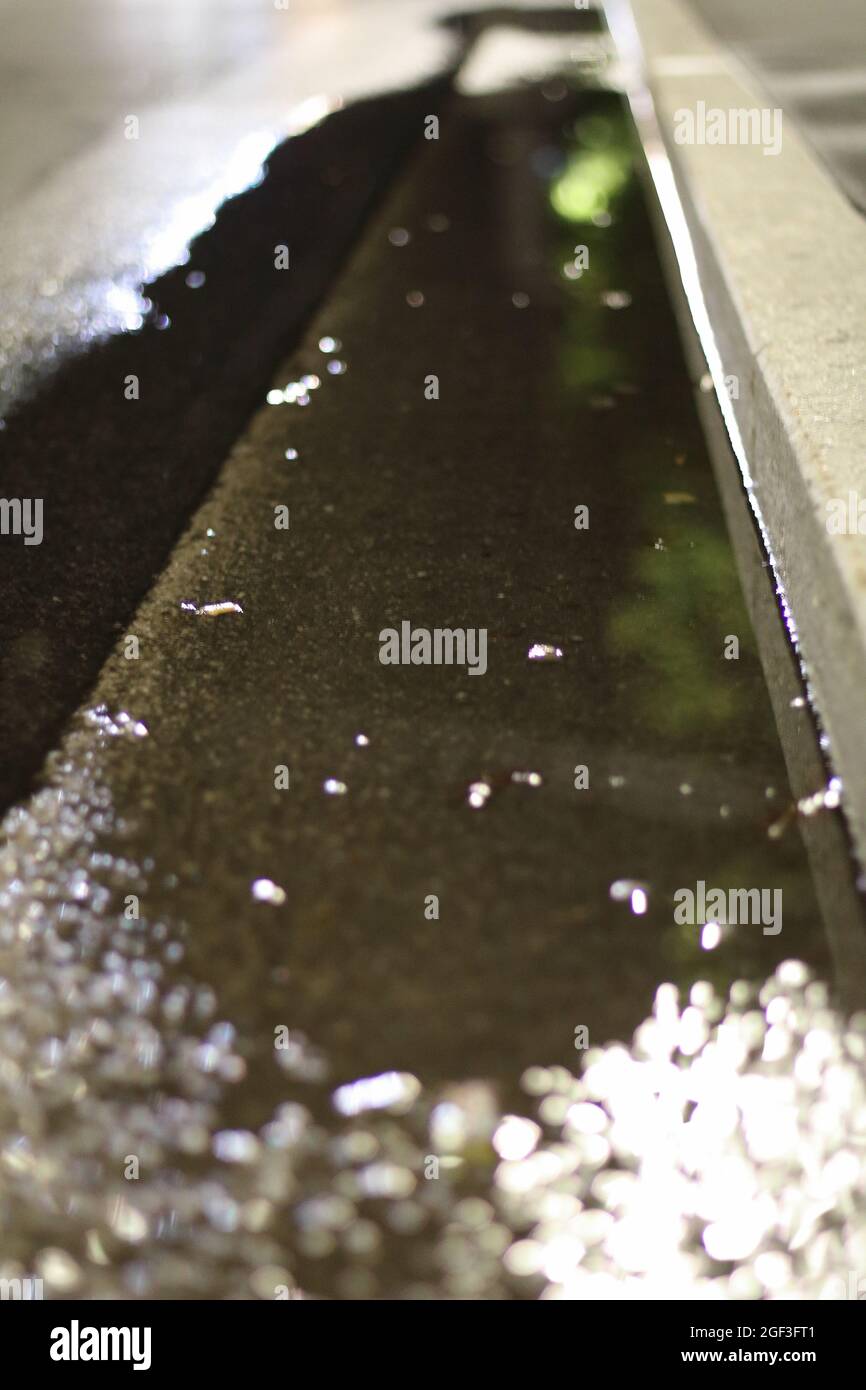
[148, 981]
[459, 513]
[119, 476]
[197, 954]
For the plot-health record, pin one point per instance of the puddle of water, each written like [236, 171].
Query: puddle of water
[387, 1069]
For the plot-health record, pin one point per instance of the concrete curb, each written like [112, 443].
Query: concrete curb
[779, 256]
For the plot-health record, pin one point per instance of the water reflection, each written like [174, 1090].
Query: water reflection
[720, 1155]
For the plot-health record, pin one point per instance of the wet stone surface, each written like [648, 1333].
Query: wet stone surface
[132, 427]
[313, 1075]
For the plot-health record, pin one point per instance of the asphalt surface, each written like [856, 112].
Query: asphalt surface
[263, 865]
[430, 899]
[119, 474]
[459, 513]
[122, 390]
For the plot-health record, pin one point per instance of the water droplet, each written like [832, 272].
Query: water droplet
[328, 344]
[58, 1269]
[336, 366]
[361, 741]
[275, 397]
[616, 299]
[334, 787]
[520, 299]
[127, 1221]
[264, 890]
[195, 279]
[398, 236]
[632, 891]
[414, 299]
[215, 610]
[438, 222]
[236, 1146]
[711, 935]
[291, 454]
[515, 1138]
[544, 651]
[388, 1090]
[829, 798]
[530, 779]
[479, 794]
